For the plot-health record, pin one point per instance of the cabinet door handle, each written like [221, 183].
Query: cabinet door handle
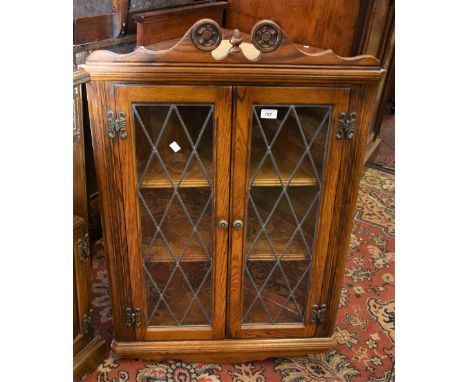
[223, 224]
[238, 224]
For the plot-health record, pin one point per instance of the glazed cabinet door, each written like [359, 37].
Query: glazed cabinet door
[285, 169]
[175, 164]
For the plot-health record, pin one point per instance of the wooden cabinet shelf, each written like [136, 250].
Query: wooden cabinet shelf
[160, 254]
[281, 227]
[155, 177]
[268, 177]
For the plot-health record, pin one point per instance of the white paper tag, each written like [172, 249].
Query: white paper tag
[174, 146]
[269, 114]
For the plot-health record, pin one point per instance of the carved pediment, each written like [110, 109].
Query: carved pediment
[207, 43]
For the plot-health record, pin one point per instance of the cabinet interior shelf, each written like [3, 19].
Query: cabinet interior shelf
[158, 252]
[194, 177]
[161, 255]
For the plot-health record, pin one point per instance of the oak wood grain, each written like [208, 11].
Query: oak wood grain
[183, 74]
[378, 38]
[222, 351]
[89, 358]
[185, 64]
[221, 98]
[110, 26]
[120, 17]
[108, 171]
[322, 23]
[351, 165]
[185, 52]
[92, 28]
[81, 273]
[166, 24]
[80, 196]
[246, 98]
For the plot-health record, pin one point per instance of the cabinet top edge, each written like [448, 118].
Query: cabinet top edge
[80, 76]
[207, 46]
[231, 76]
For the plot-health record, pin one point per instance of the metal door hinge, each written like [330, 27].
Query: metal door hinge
[318, 313]
[133, 317]
[88, 322]
[346, 125]
[116, 126]
[84, 250]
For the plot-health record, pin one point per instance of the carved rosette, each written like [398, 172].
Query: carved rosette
[206, 35]
[266, 36]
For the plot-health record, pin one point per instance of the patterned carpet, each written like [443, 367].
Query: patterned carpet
[365, 326]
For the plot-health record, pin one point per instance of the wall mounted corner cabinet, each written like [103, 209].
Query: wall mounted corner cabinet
[227, 190]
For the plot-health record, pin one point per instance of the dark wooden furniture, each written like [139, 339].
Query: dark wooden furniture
[110, 25]
[227, 188]
[88, 349]
[321, 23]
[167, 24]
[377, 37]
[80, 197]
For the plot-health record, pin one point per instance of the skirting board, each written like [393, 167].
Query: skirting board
[223, 350]
[371, 148]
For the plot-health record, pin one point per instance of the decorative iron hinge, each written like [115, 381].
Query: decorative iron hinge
[318, 313]
[116, 126]
[87, 322]
[346, 125]
[133, 317]
[84, 250]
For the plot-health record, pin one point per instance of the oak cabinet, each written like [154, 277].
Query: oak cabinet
[227, 189]
[88, 347]
[82, 328]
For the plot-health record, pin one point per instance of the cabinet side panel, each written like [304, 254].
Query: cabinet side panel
[132, 223]
[81, 288]
[80, 207]
[106, 156]
[325, 219]
[351, 166]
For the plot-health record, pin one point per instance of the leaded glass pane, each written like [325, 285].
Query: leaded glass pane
[174, 155]
[287, 153]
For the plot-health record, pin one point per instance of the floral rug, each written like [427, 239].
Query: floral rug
[365, 326]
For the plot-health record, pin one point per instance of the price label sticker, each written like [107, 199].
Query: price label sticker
[269, 114]
[174, 146]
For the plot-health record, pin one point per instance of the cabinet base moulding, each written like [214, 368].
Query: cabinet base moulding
[223, 351]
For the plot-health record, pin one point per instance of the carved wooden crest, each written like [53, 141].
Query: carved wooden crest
[207, 43]
[267, 36]
[206, 35]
